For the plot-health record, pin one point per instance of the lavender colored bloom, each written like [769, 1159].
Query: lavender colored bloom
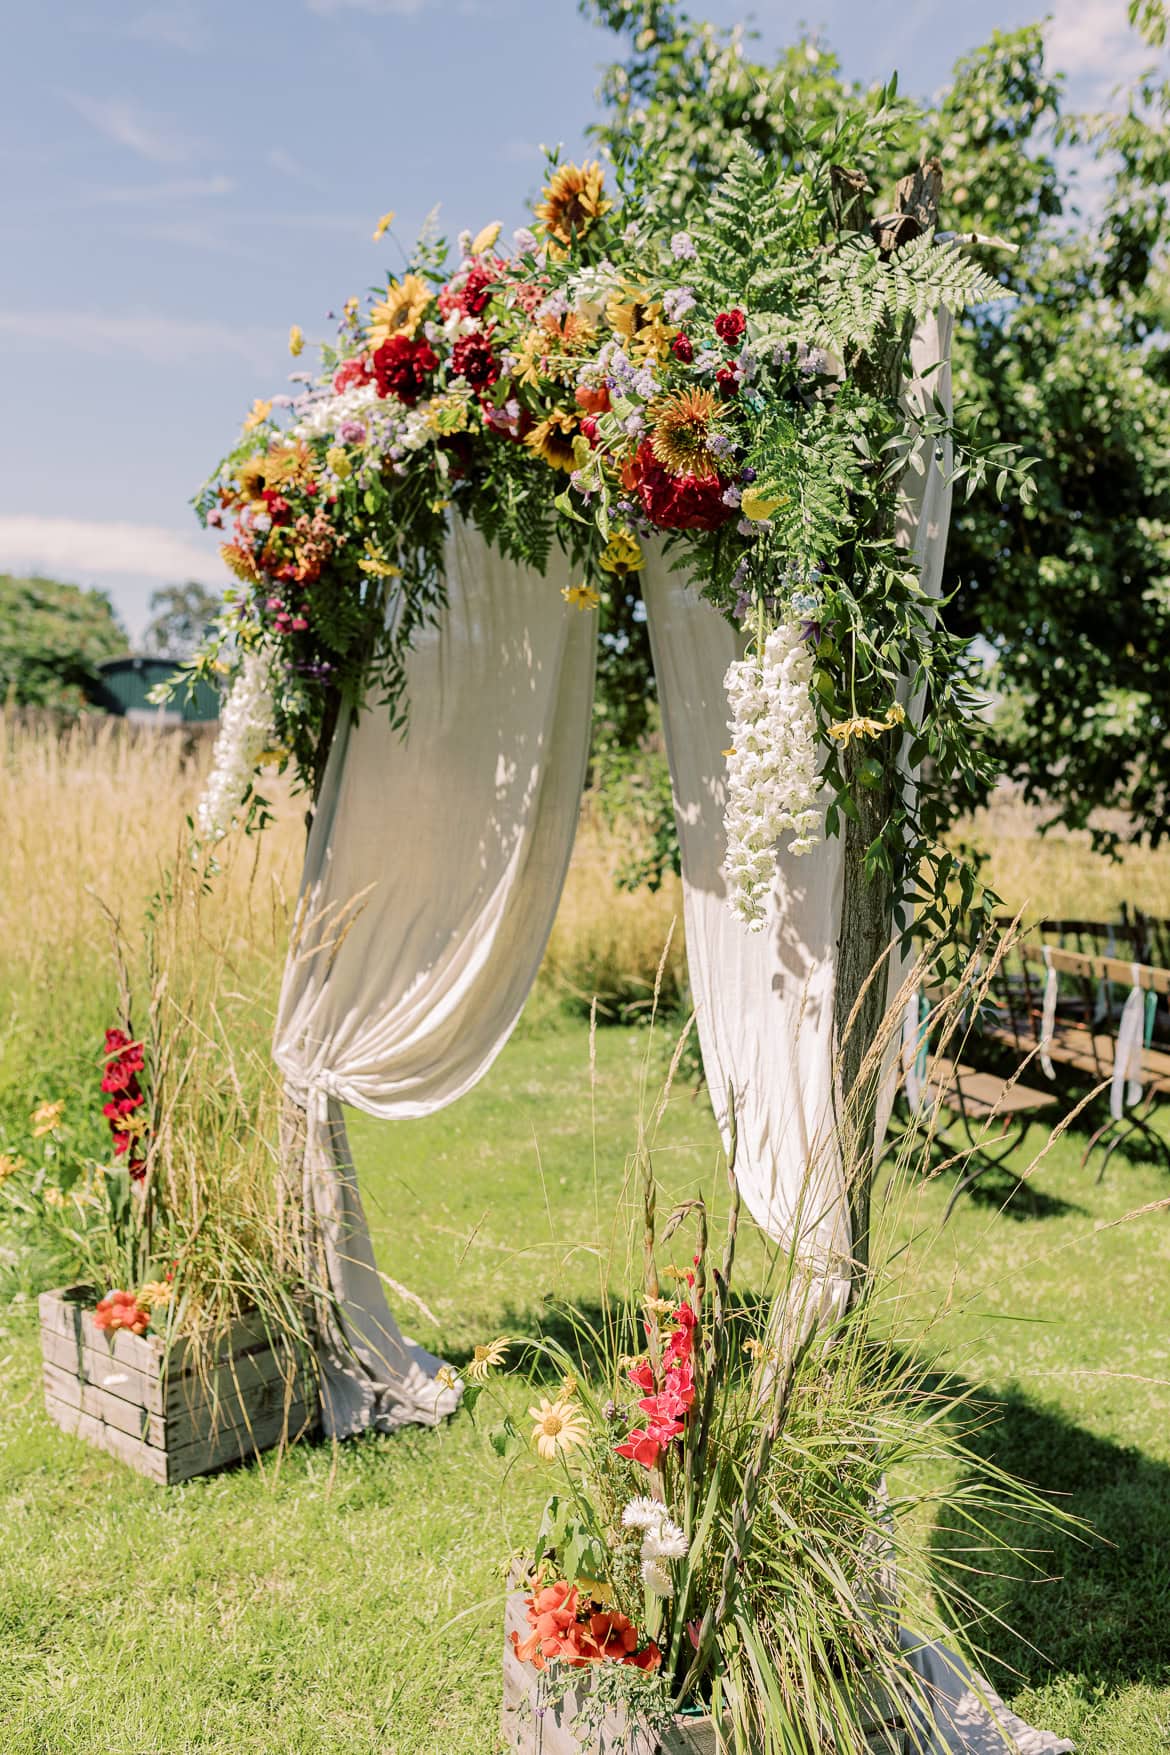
[682, 247]
[677, 302]
[351, 432]
[634, 425]
[747, 528]
[811, 631]
[630, 235]
[720, 445]
[780, 355]
[731, 496]
[746, 366]
[738, 577]
[708, 360]
[524, 240]
[742, 604]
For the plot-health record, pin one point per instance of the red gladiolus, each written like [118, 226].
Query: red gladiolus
[402, 368]
[730, 325]
[641, 1447]
[641, 1375]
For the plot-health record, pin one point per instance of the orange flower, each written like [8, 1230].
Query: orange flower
[118, 1310]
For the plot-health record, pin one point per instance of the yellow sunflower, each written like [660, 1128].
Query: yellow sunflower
[682, 425]
[573, 201]
[383, 226]
[640, 325]
[400, 312]
[558, 1426]
[484, 1360]
[257, 415]
[552, 440]
[621, 554]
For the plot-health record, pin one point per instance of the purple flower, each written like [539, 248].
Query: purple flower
[351, 432]
[731, 496]
[747, 475]
[634, 425]
[682, 247]
[525, 241]
[720, 445]
[747, 528]
[742, 603]
[677, 302]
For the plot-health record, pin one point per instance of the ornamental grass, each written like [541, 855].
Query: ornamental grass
[747, 1485]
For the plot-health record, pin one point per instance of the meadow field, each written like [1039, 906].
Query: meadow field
[348, 1598]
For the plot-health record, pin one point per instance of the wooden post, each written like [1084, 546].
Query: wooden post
[867, 912]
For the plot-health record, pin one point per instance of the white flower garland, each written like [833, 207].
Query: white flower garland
[773, 779]
[245, 732]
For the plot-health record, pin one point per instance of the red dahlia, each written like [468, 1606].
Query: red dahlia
[675, 502]
[472, 358]
[402, 367]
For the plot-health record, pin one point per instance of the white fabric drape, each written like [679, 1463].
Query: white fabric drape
[764, 1001]
[432, 877]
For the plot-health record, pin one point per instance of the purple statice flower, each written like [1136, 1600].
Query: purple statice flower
[738, 577]
[677, 302]
[554, 306]
[720, 445]
[781, 355]
[743, 604]
[634, 425]
[524, 240]
[745, 366]
[746, 527]
[351, 432]
[682, 247]
[731, 496]
[708, 360]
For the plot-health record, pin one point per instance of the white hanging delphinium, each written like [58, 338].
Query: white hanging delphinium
[245, 732]
[773, 781]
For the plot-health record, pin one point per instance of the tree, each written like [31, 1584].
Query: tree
[52, 636]
[1070, 592]
[181, 618]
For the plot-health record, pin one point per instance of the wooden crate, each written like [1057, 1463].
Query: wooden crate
[530, 1731]
[167, 1412]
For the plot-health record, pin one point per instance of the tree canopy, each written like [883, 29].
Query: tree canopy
[180, 618]
[52, 636]
[1070, 592]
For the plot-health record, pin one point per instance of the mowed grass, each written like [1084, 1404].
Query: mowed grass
[349, 1599]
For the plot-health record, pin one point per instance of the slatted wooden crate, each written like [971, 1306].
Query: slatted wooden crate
[170, 1413]
[554, 1731]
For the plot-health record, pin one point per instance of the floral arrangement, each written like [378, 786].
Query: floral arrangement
[606, 378]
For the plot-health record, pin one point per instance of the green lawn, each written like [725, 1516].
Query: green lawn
[350, 1600]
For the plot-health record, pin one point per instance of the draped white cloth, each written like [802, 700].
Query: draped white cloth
[432, 876]
[764, 1001]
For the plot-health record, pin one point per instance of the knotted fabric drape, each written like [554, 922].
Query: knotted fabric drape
[432, 876]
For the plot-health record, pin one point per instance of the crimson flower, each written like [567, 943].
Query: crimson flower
[726, 382]
[402, 367]
[675, 502]
[352, 373]
[683, 348]
[730, 325]
[118, 1310]
[472, 358]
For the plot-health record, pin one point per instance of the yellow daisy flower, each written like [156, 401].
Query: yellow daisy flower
[558, 1426]
[296, 340]
[621, 554]
[46, 1118]
[258, 415]
[484, 1359]
[400, 312]
[383, 226]
[581, 596]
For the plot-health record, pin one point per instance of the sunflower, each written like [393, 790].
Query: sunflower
[548, 350]
[484, 1359]
[682, 426]
[640, 325]
[552, 440]
[622, 554]
[400, 312]
[572, 201]
[558, 1427]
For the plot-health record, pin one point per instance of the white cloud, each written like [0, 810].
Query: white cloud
[129, 127]
[83, 549]
[179, 189]
[399, 8]
[288, 166]
[1091, 41]
[174, 27]
[161, 340]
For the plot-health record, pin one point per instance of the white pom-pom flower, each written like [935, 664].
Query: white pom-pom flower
[773, 768]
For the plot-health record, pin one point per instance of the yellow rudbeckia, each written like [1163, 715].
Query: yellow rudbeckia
[383, 226]
[581, 596]
[296, 340]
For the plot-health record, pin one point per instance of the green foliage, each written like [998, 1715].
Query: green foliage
[181, 618]
[52, 636]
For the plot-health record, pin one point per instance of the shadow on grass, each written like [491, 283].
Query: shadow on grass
[1093, 1608]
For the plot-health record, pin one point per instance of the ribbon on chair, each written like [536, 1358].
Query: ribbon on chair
[1126, 1085]
[914, 1052]
[1048, 1017]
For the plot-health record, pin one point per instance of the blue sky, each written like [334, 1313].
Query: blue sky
[183, 180]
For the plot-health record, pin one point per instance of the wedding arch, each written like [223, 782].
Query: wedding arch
[753, 415]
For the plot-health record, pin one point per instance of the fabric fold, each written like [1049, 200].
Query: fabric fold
[434, 867]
